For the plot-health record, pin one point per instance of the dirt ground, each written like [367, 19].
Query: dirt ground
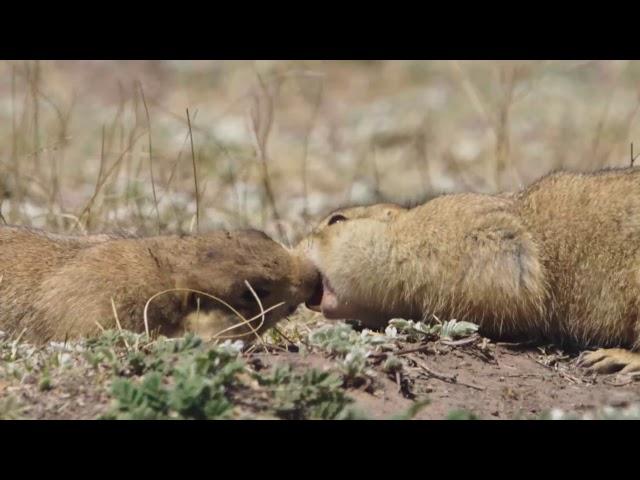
[500, 382]
[471, 378]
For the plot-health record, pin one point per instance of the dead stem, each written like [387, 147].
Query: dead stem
[262, 113]
[195, 174]
[153, 183]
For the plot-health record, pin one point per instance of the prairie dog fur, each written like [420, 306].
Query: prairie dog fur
[55, 286]
[557, 261]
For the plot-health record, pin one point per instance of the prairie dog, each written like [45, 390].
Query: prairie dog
[557, 261]
[55, 286]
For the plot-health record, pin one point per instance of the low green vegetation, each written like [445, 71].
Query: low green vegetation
[187, 379]
[123, 375]
[462, 415]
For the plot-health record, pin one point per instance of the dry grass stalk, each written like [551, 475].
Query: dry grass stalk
[153, 183]
[101, 181]
[219, 336]
[315, 108]
[115, 315]
[195, 174]
[498, 122]
[262, 113]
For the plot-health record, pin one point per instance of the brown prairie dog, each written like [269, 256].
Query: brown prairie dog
[557, 261]
[54, 286]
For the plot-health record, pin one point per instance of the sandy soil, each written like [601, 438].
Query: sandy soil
[495, 382]
[480, 378]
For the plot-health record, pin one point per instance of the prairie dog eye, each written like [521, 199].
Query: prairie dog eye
[337, 219]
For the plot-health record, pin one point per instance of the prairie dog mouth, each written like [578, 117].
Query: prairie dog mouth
[324, 299]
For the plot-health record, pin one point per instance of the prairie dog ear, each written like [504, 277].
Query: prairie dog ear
[392, 212]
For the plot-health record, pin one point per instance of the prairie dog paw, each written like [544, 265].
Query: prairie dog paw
[610, 360]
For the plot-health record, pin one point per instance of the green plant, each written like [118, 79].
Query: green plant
[351, 348]
[418, 331]
[45, 382]
[412, 411]
[182, 381]
[309, 395]
[341, 339]
[462, 415]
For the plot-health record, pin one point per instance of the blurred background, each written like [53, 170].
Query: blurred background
[176, 146]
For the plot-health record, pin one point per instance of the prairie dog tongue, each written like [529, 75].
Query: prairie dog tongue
[330, 304]
[329, 301]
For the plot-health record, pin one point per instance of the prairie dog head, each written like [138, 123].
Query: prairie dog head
[345, 245]
[457, 255]
[221, 264]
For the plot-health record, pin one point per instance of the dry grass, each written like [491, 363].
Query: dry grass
[100, 145]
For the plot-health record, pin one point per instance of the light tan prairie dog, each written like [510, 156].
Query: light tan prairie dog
[53, 286]
[558, 261]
